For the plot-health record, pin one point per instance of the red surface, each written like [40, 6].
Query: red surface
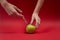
[12, 27]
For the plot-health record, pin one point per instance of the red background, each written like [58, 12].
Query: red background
[12, 27]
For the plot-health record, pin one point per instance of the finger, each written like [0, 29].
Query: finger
[18, 9]
[21, 16]
[18, 14]
[9, 13]
[37, 22]
[32, 20]
[24, 19]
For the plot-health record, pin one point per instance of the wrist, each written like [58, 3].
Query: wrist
[3, 2]
[35, 12]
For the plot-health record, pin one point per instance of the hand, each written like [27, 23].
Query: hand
[37, 18]
[10, 8]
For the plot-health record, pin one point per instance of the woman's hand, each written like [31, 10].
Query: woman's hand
[36, 18]
[11, 9]
[36, 12]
